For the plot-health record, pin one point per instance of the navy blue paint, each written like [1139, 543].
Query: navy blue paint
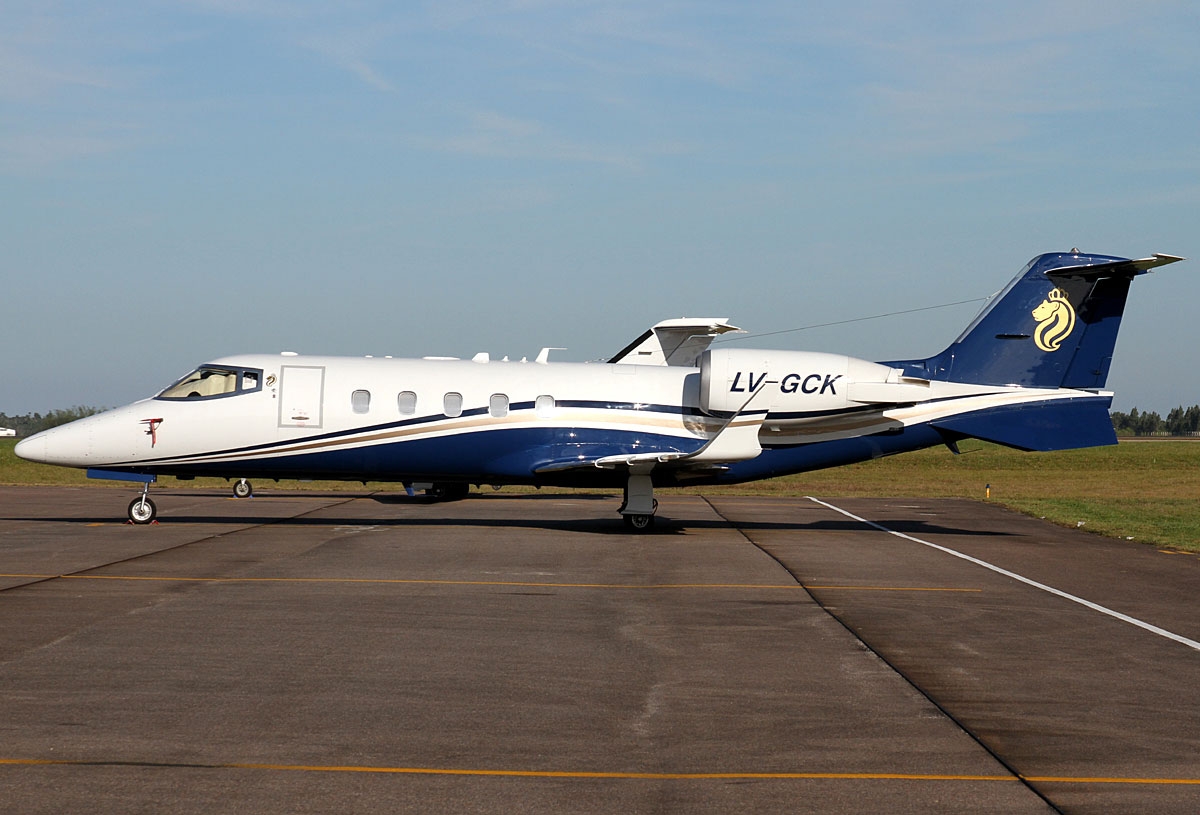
[821, 455]
[1061, 425]
[121, 475]
[999, 348]
[494, 456]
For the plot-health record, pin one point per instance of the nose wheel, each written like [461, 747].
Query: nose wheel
[243, 489]
[141, 509]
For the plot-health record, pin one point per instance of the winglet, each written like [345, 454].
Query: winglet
[674, 342]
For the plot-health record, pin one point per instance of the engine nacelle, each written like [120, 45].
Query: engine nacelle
[796, 381]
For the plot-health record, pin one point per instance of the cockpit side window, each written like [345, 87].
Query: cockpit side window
[211, 381]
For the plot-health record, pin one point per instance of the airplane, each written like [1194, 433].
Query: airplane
[668, 410]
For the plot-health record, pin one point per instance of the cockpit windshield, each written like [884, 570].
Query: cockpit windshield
[210, 381]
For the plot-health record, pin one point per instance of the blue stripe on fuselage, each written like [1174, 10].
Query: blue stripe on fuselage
[350, 434]
[507, 455]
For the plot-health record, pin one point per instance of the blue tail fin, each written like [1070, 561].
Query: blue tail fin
[1054, 326]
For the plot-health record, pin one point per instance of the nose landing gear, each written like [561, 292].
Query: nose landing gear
[141, 509]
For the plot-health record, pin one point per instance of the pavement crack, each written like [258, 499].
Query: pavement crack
[896, 669]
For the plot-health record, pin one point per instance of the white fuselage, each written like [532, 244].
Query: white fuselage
[290, 416]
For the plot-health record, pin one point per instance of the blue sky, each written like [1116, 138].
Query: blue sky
[181, 181]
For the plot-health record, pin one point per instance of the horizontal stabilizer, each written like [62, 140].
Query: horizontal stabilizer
[1062, 425]
[1115, 268]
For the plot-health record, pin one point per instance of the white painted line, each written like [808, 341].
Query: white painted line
[1057, 592]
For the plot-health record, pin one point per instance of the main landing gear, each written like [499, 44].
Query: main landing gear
[639, 505]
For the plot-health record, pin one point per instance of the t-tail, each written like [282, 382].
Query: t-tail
[1053, 327]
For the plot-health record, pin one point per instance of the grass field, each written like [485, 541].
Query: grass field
[1147, 491]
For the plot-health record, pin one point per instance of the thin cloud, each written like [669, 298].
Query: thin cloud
[31, 153]
[349, 59]
[494, 135]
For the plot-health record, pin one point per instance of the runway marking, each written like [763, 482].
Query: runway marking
[513, 583]
[890, 588]
[598, 774]
[1153, 629]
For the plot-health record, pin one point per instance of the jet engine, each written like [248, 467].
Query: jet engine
[797, 382]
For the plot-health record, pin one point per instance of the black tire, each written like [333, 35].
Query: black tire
[449, 491]
[243, 489]
[142, 510]
[639, 523]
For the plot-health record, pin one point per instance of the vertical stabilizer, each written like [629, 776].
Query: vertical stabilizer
[1054, 325]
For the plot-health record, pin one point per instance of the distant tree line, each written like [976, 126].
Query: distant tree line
[1179, 422]
[32, 423]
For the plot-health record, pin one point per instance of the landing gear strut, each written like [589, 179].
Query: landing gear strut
[640, 505]
[141, 509]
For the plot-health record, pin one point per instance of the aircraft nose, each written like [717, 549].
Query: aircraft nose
[32, 448]
[67, 445]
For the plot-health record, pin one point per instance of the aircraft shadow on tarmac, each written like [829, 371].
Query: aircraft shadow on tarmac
[664, 524]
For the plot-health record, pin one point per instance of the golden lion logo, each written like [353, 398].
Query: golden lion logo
[1056, 321]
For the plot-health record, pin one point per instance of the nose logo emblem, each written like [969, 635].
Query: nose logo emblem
[152, 432]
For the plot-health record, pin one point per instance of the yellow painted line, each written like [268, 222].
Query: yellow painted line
[600, 774]
[576, 774]
[1066, 779]
[513, 583]
[635, 776]
[893, 588]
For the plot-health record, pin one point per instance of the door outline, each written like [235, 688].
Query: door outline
[301, 396]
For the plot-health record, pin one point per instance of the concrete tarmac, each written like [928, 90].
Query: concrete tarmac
[341, 652]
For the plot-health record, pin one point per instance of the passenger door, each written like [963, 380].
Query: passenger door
[301, 392]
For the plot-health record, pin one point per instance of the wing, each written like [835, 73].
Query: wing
[737, 440]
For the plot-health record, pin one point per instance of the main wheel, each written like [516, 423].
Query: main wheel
[243, 489]
[142, 510]
[639, 523]
[449, 491]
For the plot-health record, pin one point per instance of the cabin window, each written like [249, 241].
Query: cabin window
[452, 404]
[498, 405]
[406, 403]
[360, 401]
[544, 407]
